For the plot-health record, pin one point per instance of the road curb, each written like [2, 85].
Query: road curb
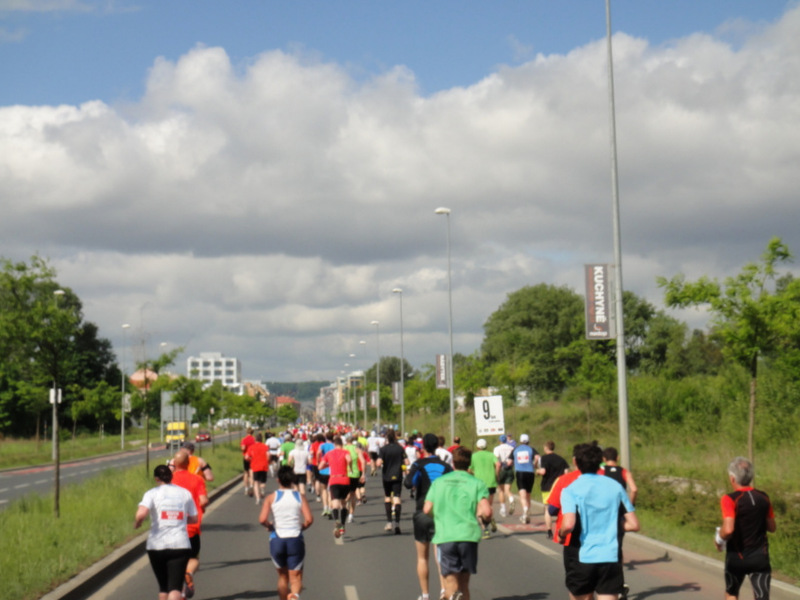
[96, 576]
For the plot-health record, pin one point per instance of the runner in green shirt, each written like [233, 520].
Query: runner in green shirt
[455, 500]
[483, 466]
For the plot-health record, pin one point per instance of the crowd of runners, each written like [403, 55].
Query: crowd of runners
[588, 506]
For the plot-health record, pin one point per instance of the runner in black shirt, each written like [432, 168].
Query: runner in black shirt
[391, 460]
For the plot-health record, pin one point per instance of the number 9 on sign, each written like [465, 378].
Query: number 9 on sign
[489, 418]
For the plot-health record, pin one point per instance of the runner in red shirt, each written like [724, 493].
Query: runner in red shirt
[258, 457]
[196, 485]
[247, 477]
[338, 460]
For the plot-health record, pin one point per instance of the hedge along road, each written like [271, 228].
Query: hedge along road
[517, 563]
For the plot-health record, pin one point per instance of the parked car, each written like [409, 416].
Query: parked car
[202, 436]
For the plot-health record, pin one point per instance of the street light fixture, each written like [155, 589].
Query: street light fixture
[399, 292]
[450, 374]
[378, 371]
[125, 327]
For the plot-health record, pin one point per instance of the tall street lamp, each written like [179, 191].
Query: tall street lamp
[366, 422]
[399, 292]
[378, 370]
[55, 398]
[450, 374]
[125, 327]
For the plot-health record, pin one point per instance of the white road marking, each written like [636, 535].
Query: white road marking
[350, 592]
[21, 485]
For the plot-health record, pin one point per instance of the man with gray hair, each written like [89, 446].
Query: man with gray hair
[747, 516]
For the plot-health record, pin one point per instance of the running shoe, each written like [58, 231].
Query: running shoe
[493, 526]
[502, 510]
[549, 534]
[487, 534]
[293, 597]
[188, 586]
[350, 518]
[388, 527]
[625, 590]
[511, 505]
[457, 595]
[337, 532]
[397, 530]
[319, 499]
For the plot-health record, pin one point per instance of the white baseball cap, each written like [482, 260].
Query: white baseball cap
[524, 438]
[481, 443]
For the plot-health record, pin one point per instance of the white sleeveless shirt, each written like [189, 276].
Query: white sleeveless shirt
[287, 513]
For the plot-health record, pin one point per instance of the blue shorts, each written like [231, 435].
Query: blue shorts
[287, 553]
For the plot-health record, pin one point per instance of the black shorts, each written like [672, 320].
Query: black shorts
[505, 476]
[603, 578]
[354, 482]
[492, 491]
[169, 567]
[457, 557]
[273, 458]
[755, 564]
[525, 481]
[300, 479]
[339, 491]
[323, 479]
[373, 456]
[245, 464]
[260, 476]
[423, 527]
[392, 487]
[195, 542]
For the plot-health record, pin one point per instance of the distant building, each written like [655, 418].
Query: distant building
[256, 389]
[213, 366]
[287, 400]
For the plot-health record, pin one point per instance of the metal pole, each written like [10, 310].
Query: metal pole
[399, 292]
[450, 373]
[122, 433]
[378, 373]
[366, 420]
[56, 448]
[622, 381]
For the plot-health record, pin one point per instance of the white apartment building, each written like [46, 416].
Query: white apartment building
[213, 366]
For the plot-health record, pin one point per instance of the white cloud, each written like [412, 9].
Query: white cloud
[267, 210]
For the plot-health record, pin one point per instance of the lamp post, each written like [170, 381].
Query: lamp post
[622, 377]
[399, 292]
[347, 378]
[378, 371]
[364, 343]
[450, 374]
[55, 397]
[125, 327]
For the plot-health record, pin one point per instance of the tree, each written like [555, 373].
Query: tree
[44, 339]
[750, 313]
[529, 327]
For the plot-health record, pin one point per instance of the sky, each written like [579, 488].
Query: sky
[255, 178]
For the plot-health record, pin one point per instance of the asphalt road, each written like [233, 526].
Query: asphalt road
[16, 483]
[517, 563]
